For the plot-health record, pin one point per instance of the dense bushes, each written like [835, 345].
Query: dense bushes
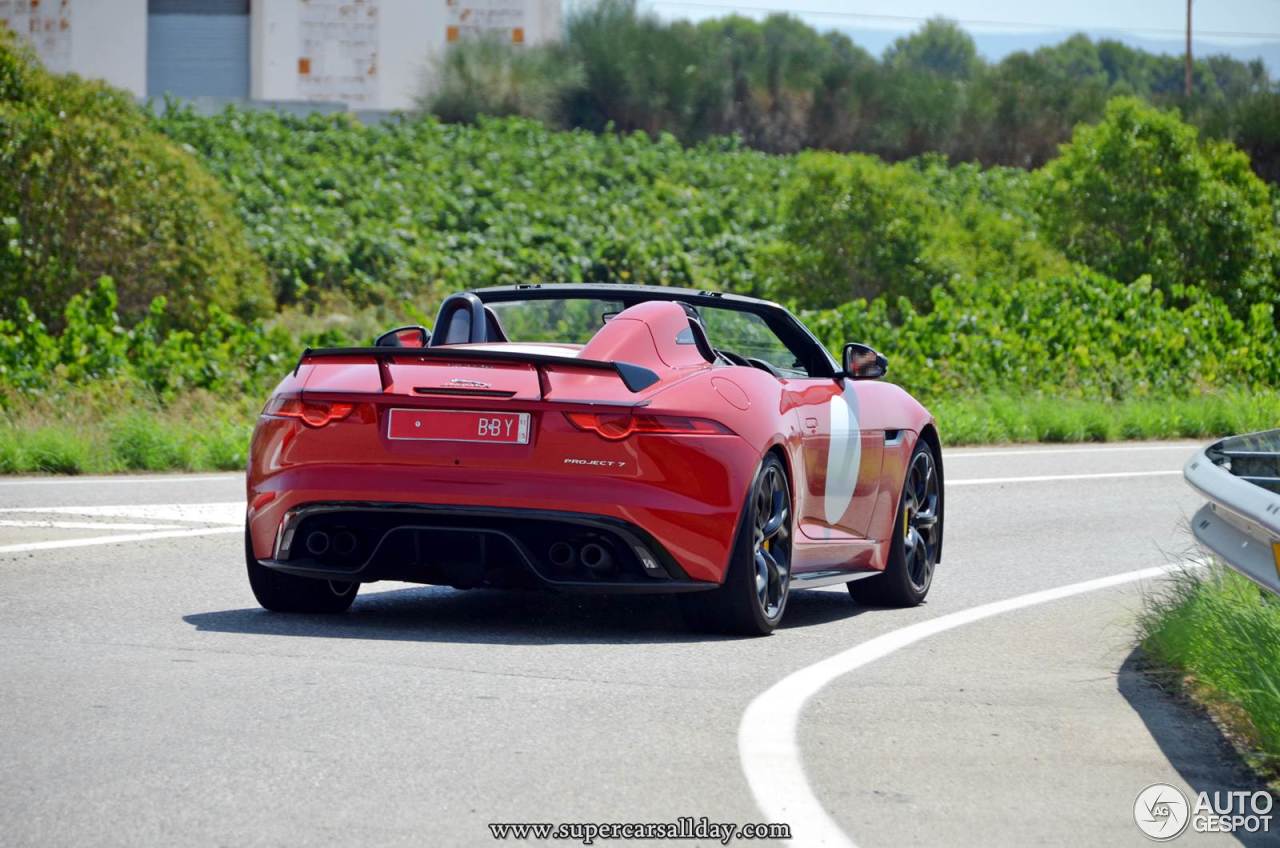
[489, 79]
[1080, 334]
[854, 227]
[225, 356]
[414, 208]
[782, 86]
[1138, 194]
[88, 188]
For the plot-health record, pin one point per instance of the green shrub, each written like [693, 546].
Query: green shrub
[58, 449]
[853, 227]
[491, 76]
[1079, 334]
[12, 460]
[140, 442]
[88, 188]
[226, 355]
[224, 446]
[1139, 194]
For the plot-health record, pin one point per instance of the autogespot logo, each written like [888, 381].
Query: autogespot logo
[1162, 812]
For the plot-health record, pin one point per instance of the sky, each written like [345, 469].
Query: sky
[1252, 20]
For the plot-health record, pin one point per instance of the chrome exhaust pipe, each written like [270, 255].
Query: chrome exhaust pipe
[344, 543]
[560, 554]
[596, 557]
[317, 542]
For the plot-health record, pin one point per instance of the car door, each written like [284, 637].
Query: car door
[841, 460]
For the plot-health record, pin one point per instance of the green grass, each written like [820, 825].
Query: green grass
[1218, 635]
[58, 438]
[997, 419]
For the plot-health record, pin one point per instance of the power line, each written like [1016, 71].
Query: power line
[693, 4]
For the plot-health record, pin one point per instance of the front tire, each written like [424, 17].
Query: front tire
[288, 593]
[917, 539]
[754, 594]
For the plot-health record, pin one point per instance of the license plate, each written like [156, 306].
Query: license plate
[437, 425]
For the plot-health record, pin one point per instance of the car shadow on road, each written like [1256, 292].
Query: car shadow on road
[482, 616]
[1190, 740]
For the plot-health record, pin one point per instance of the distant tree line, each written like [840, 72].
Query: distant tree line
[782, 86]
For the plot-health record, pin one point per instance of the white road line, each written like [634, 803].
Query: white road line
[1045, 478]
[961, 453]
[224, 512]
[116, 539]
[86, 525]
[767, 741]
[123, 478]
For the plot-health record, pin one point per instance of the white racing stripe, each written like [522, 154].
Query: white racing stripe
[767, 741]
[116, 539]
[1047, 478]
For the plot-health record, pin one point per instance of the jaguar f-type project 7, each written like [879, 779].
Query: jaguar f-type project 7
[596, 438]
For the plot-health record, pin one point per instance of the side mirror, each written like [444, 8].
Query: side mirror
[861, 362]
[412, 336]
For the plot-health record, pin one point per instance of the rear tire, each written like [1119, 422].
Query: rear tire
[288, 593]
[917, 539]
[754, 594]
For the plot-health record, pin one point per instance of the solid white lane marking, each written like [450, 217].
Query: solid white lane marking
[767, 742]
[85, 525]
[1046, 478]
[961, 453]
[116, 539]
[122, 478]
[225, 512]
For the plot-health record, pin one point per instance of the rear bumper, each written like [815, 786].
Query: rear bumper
[683, 493]
[472, 546]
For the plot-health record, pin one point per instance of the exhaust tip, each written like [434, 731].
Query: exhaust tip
[317, 543]
[595, 557]
[344, 543]
[560, 554]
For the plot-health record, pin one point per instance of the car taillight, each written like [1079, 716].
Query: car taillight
[313, 413]
[615, 426]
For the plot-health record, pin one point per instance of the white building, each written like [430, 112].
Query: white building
[367, 54]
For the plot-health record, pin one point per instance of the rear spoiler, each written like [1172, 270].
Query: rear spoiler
[635, 377]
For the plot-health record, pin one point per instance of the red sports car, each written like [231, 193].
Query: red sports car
[596, 438]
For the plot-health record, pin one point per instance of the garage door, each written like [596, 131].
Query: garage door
[198, 48]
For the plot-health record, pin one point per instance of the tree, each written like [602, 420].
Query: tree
[491, 76]
[854, 228]
[924, 89]
[88, 188]
[1140, 194]
[939, 47]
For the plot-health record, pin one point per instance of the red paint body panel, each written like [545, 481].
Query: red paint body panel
[686, 490]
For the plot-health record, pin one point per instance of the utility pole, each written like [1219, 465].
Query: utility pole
[1187, 73]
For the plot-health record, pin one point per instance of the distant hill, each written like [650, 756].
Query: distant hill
[994, 46]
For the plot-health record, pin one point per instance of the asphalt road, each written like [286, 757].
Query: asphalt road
[146, 699]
